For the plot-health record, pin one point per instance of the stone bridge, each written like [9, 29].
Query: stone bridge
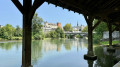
[75, 33]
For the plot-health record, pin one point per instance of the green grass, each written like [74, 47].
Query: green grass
[107, 42]
[16, 38]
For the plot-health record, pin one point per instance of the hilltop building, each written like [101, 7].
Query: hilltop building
[50, 26]
[78, 28]
[1, 26]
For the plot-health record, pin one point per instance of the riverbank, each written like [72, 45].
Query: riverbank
[20, 38]
[13, 38]
[107, 42]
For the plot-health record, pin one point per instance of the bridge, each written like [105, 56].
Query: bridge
[76, 32]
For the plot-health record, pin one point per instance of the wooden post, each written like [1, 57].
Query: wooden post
[27, 11]
[27, 29]
[110, 48]
[110, 34]
[119, 35]
[90, 55]
[90, 40]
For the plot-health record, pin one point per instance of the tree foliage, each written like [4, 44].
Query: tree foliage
[68, 27]
[37, 27]
[102, 27]
[85, 29]
[8, 31]
[58, 33]
[18, 31]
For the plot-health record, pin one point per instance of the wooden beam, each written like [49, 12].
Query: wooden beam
[18, 5]
[37, 3]
[114, 29]
[86, 18]
[96, 24]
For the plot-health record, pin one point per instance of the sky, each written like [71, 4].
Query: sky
[9, 14]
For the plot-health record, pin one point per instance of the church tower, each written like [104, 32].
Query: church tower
[77, 24]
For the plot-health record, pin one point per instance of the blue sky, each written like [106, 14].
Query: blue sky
[9, 14]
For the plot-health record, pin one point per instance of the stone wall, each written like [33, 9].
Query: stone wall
[115, 34]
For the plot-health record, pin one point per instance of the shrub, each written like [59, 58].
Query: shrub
[79, 36]
[38, 37]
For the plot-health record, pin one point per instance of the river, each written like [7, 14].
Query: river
[53, 53]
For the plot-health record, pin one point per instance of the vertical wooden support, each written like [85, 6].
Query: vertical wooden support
[119, 35]
[27, 11]
[110, 34]
[26, 43]
[90, 63]
[90, 55]
[110, 48]
[90, 40]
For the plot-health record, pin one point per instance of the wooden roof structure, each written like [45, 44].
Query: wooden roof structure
[106, 10]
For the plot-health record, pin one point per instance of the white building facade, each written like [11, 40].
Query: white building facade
[50, 26]
[78, 28]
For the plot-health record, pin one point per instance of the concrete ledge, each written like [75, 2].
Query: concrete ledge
[88, 57]
[117, 65]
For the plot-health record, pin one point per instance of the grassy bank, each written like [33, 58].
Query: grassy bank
[107, 42]
[13, 38]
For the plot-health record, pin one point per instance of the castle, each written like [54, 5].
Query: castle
[50, 26]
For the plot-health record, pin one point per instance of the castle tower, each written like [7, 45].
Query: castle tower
[77, 24]
[59, 24]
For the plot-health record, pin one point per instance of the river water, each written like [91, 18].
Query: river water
[54, 53]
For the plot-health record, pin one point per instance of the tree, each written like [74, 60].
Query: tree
[37, 27]
[7, 31]
[68, 27]
[53, 34]
[37, 24]
[60, 33]
[99, 31]
[18, 31]
[85, 29]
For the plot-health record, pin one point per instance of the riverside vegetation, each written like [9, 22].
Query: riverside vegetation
[8, 32]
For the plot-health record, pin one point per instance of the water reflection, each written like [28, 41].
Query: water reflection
[55, 53]
[105, 59]
[53, 47]
[10, 44]
[10, 54]
[36, 51]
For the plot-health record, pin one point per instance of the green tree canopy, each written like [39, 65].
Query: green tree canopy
[68, 27]
[37, 27]
[37, 24]
[60, 32]
[18, 31]
[85, 29]
[7, 31]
